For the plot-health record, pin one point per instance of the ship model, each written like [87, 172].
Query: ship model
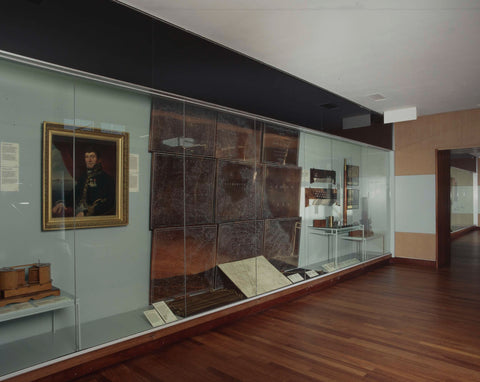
[24, 282]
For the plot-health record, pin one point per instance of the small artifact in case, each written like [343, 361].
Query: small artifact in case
[39, 274]
[15, 288]
[357, 233]
[319, 223]
[360, 233]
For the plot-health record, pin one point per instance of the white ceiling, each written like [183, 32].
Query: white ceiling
[422, 53]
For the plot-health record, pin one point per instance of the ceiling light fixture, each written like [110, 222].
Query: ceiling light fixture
[400, 115]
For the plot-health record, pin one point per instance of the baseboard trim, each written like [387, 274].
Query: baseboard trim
[87, 363]
[415, 262]
[463, 232]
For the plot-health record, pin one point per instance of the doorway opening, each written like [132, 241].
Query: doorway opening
[457, 198]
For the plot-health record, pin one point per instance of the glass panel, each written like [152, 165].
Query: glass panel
[320, 202]
[113, 260]
[37, 259]
[375, 202]
[199, 202]
[461, 196]
[238, 201]
[346, 203]
[280, 212]
[171, 240]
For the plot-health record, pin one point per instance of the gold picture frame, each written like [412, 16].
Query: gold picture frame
[84, 177]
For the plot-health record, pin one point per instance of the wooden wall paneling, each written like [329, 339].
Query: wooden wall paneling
[415, 245]
[416, 141]
[414, 262]
[462, 232]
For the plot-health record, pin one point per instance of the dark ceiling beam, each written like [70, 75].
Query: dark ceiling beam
[109, 39]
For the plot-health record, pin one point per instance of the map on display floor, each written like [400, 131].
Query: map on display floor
[254, 276]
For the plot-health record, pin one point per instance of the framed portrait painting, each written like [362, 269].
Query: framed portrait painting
[84, 176]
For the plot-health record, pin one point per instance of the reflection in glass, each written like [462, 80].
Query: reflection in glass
[237, 138]
[170, 133]
[280, 145]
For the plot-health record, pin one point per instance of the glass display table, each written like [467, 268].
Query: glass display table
[334, 233]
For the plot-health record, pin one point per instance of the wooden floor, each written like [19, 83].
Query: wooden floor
[397, 323]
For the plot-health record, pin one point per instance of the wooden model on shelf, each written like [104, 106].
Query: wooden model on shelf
[24, 282]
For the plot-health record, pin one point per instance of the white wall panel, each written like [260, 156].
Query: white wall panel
[415, 203]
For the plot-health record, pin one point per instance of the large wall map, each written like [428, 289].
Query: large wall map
[224, 188]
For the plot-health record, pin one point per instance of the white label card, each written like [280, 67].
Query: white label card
[295, 278]
[164, 311]
[312, 273]
[9, 165]
[153, 317]
[330, 267]
[9, 154]
[9, 179]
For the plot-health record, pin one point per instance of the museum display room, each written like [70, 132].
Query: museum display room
[124, 210]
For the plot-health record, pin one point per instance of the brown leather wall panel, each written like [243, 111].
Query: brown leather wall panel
[281, 192]
[167, 132]
[182, 261]
[280, 145]
[239, 240]
[239, 191]
[282, 240]
[167, 195]
[238, 138]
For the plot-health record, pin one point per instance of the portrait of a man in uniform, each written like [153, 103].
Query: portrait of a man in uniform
[94, 190]
[85, 177]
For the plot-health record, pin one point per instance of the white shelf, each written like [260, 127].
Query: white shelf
[33, 307]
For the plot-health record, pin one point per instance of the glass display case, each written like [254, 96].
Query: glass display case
[123, 210]
[347, 196]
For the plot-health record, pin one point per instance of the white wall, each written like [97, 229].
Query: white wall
[415, 203]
